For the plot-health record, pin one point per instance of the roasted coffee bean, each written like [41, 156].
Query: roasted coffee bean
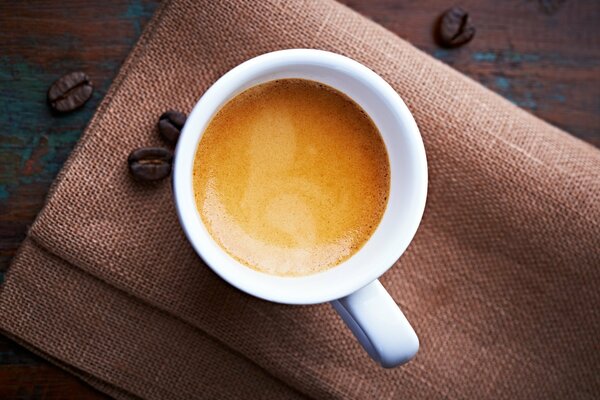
[150, 163]
[455, 28]
[170, 124]
[70, 92]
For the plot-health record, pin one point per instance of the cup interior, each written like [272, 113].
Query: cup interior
[408, 180]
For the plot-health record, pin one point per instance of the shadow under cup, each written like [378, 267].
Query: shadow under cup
[408, 175]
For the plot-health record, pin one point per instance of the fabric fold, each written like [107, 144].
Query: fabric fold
[117, 343]
[503, 268]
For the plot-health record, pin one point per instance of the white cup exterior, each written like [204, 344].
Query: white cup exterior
[352, 286]
[408, 175]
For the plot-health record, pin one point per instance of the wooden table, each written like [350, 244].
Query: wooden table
[542, 55]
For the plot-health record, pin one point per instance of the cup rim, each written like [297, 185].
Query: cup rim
[289, 290]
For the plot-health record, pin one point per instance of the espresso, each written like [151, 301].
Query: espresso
[291, 177]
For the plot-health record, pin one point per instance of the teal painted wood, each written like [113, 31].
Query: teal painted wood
[35, 51]
[542, 55]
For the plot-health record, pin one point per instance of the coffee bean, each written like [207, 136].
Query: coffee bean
[70, 92]
[455, 28]
[170, 124]
[150, 163]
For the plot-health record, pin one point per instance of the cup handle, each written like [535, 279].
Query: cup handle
[378, 324]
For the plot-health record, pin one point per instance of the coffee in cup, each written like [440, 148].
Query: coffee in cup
[291, 177]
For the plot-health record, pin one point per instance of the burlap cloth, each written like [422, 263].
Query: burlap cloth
[501, 282]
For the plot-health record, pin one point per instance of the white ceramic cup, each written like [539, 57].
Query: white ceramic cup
[352, 287]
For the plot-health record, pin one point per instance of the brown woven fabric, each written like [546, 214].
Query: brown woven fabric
[501, 281]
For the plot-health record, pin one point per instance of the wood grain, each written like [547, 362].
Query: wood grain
[542, 55]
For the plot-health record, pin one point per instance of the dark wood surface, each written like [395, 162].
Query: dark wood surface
[542, 55]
